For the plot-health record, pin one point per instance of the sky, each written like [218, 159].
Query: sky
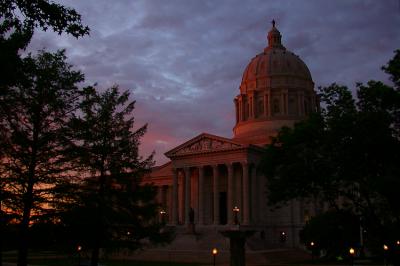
[183, 60]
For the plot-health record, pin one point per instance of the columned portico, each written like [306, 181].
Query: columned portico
[225, 186]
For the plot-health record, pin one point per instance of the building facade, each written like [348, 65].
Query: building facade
[210, 176]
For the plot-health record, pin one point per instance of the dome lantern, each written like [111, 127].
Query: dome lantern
[274, 38]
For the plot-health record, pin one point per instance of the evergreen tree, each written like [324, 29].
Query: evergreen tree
[34, 117]
[111, 207]
[18, 21]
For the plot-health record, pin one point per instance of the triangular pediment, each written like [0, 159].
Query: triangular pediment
[204, 143]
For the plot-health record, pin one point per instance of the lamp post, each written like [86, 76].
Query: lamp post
[312, 245]
[385, 251]
[351, 253]
[236, 213]
[162, 214]
[79, 249]
[396, 253]
[283, 237]
[214, 253]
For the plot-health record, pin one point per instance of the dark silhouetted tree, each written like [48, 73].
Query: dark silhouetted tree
[334, 232]
[18, 21]
[111, 208]
[35, 113]
[349, 152]
[393, 69]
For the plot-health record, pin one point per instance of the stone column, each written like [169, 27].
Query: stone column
[266, 104]
[246, 195]
[313, 104]
[251, 109]
[285, 102]
[164, 197]
[187, 194]
[269, 103]
[301, 103]
[254, 209]
[240, 109]
[170, 203]
[230, 193]
[159, 195]
[216, 194]
[254, 105]
[201, 195]
[236, 109]
[159, 202]
[175, 197]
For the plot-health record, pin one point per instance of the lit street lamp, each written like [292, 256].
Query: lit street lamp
[236, 212]
[396, 253]
[351, 253]
[385, 251]
[79, 249]
[283, 237]
[214, 253]
[162, 214]
[312, 245]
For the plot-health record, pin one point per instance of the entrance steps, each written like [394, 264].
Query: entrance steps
[197, 247]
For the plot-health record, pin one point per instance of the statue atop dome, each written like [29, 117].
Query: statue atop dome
[274, 38]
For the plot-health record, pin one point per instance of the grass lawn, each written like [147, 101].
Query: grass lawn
[44, 259]
[74, 262]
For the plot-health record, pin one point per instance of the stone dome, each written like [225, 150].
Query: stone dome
[275, 64]
[276, 90]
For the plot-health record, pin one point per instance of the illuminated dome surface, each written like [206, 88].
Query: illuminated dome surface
[276, 90]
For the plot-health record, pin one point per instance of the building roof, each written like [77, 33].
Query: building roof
[275, 62]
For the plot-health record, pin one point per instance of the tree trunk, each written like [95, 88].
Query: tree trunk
[1, 248]
[2, 223]
[1, 252]
[28, 203]
[100, 225]
[24, 228]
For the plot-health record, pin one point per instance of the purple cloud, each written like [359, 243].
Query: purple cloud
[183, 60]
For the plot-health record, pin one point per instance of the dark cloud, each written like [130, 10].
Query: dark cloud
[183, 60]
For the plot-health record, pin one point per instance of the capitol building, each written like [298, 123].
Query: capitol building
[215, 182]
